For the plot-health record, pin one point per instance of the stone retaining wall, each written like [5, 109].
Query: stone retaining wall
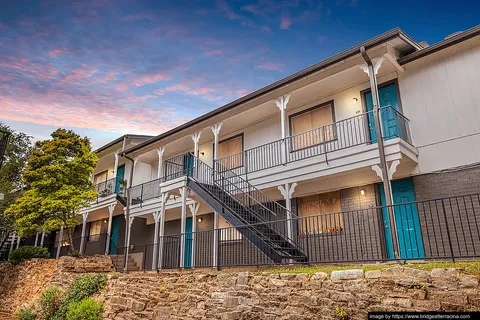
[21, 285]
[248, 295]
[208, 294]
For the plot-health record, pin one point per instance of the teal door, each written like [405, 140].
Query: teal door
[406, 221]
[188, 243]
[188, 163]
[388, 97]
[114, 236]
[120, 176]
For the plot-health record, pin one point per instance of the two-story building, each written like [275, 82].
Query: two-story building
[369, 155]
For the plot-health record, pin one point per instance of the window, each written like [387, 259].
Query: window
[65, 241]
[95, 229]
[312, 127]
[320, 213]
[231, 148]
[228, 234]
[100, 177]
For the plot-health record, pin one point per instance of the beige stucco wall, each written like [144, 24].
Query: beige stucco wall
[440, 97]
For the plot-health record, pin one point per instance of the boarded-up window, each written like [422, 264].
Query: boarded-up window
[101, 177]
[312, 127]
[228, 234]
[231, 149]
[319, 213]
[94, 234]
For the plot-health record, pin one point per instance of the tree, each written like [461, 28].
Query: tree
[16, 156]
[57, 183]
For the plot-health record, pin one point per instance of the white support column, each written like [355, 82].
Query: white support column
[18, 242]
[183, 193]
[60, 241]
[36, 239]
[127, 249]
[111, 208]
[42, 238]
[216, 132]
[196, 139]
[215, 239]
[160, 152]
[14, 237]
[162, 229]
[193, 210]
[84, 230]
[281, 103]
[287, 192]
[115, 166]
[157, 218]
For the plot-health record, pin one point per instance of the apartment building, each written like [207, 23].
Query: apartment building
[369, 155]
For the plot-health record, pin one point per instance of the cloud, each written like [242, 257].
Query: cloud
[270, 66]
[150, 78]
[214, 52]
[232, 15]
[56, 52]
[79, 74]
[266, 28]
[285, 22]
[122, 86]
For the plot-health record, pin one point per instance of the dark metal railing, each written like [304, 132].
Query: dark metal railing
[438, 229]
[339, 135]
[145, 191]
[109, 187]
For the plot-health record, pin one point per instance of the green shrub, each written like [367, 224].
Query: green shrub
[83, 287]
[49, 302]
[26, 314]
[27, 253]
[87, 309]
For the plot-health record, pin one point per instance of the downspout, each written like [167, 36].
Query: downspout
[127, 212]
[381, 148]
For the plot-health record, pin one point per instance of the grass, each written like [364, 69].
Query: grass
[469, 267]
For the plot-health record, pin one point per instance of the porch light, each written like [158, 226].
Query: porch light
[200, 220]
[355, 100]
[202, 153]
[362, 192]
[104, 220]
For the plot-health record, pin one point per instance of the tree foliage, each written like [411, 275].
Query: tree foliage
[16, 155]
[57, 184]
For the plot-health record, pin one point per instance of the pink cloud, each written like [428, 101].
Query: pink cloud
[79, 74]
[150, 78]
[2, 26]
[266, 28]
[270, 66]
[121, 86]
[201, 90]
[5, 77]
[285, 22]
[56, 52]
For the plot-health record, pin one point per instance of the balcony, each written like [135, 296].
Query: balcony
[114, 186]
[327, 142]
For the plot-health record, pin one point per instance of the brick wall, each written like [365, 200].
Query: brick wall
[447, 184]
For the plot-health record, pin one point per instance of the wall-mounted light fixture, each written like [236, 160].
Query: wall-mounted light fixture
[355, 100]
[202, 153]
[104, 220]
[200, 220]
[362, 192]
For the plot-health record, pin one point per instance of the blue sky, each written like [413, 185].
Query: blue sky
[105, 68]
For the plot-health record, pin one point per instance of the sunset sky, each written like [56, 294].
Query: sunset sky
[105, 68]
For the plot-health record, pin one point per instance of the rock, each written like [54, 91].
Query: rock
[444, 273]
[346, 274]
[373, 274]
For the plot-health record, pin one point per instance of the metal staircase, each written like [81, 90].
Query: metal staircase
[5, 245]
[261, 220]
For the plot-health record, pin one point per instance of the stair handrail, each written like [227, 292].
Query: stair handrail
[234, 175]
[262, 220]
